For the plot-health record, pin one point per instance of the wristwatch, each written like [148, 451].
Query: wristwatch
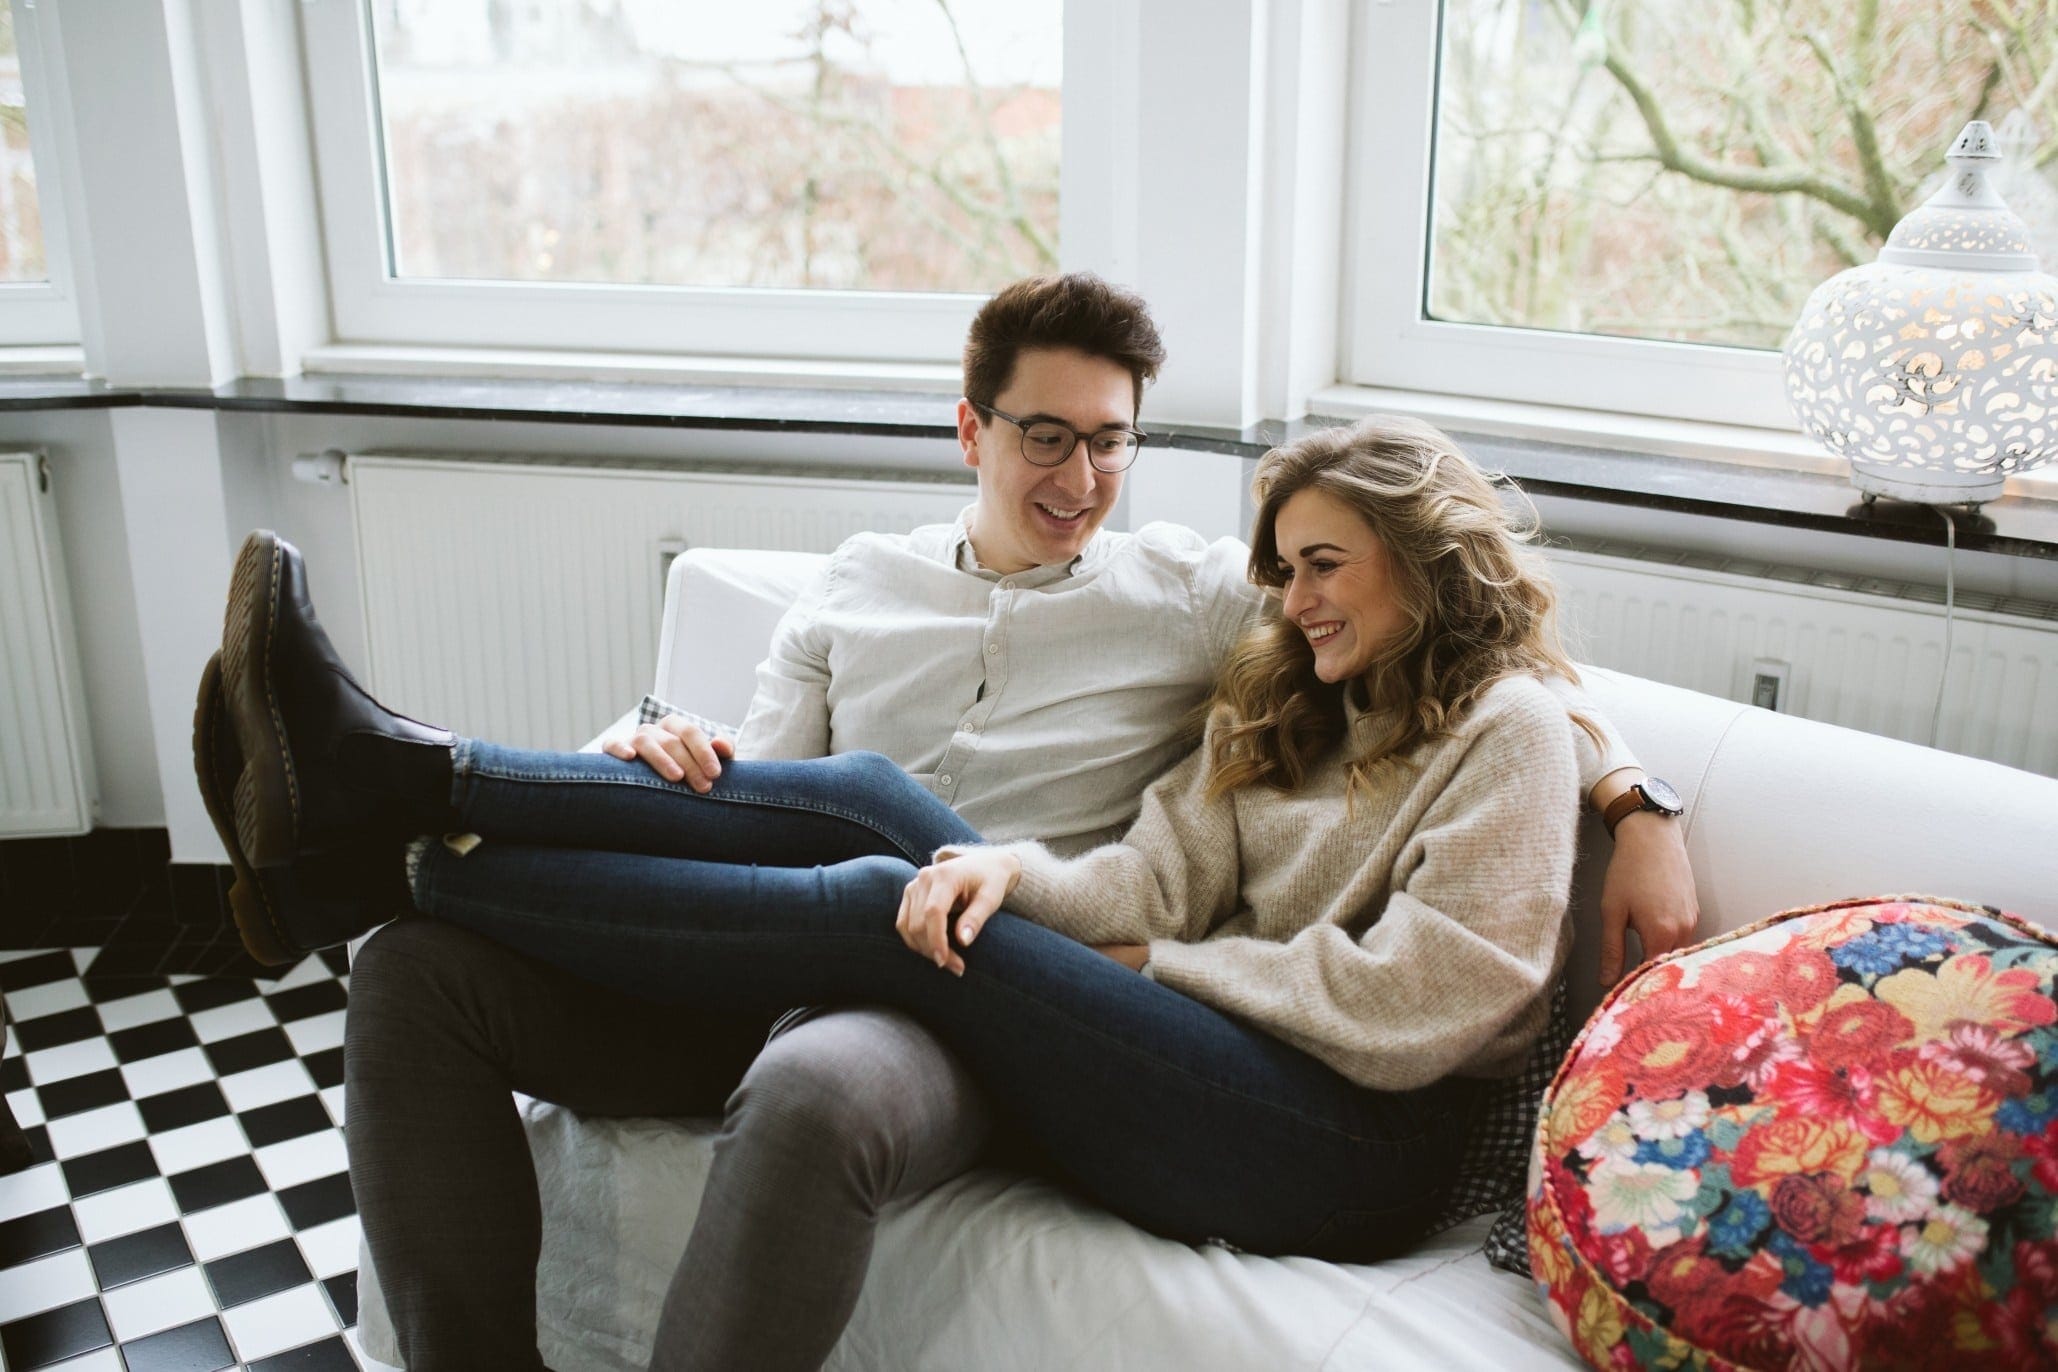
[1649, 794]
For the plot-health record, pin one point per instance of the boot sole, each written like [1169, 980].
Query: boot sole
[266, 791]
[217, 762]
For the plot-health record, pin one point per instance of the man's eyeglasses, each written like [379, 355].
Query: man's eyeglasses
[1049, 442]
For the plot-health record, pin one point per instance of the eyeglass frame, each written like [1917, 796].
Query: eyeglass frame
[1022, 445]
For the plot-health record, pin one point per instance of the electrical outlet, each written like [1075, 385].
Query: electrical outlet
[1768, 683]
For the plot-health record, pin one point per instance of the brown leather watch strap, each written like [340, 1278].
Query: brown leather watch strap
[1621, 807]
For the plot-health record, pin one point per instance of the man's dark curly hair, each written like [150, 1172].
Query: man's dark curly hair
[1075, 310]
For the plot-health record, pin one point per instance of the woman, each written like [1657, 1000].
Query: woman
[1348, 903]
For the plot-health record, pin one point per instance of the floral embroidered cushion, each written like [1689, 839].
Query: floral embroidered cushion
[1828, 1140]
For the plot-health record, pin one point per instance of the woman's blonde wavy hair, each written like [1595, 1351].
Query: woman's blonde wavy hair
[1477, 605]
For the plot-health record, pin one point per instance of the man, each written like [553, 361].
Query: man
[1034, 672]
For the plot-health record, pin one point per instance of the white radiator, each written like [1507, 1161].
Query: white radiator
[46, 761]
[1862, 652]
[521, 602]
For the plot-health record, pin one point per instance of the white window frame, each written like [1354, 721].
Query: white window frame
[370, 306]
[44, 313]
[1387, 341]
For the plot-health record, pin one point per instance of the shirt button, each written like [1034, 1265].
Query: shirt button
[992, 648]
[944, 779]
[1006, 585]
[968, 728]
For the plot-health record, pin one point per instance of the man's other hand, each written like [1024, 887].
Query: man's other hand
[676, 749]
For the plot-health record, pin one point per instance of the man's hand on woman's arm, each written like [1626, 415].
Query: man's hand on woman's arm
[676, 749]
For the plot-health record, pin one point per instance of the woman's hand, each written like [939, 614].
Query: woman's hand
[967, 888]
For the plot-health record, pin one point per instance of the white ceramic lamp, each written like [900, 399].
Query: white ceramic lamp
[1934, 370]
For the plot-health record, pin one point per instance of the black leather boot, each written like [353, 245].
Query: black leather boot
[294, 707]
[284, 913]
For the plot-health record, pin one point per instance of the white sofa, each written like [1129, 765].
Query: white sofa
[997, 1273]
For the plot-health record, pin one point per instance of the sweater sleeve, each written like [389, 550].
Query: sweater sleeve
[1595, 760]
[1175, 874]
[1455, 971]
[789, 712]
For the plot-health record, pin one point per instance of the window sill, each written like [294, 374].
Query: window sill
[668, 369]
[1757, 484]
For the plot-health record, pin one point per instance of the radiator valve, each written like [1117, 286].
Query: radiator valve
[324, 468]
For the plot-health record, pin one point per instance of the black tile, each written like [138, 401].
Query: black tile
[315, 998]
[107, 871]
[108, 1168]
[195, 996]
[227, 957]
[196, 894]
[258, 1048]
[14, 1074]
[133, 1257]
[342, 1291]
[121, 985]
[126, 957]
[39, 874]
[39, 970]
[337, 958]
[202, 1100]
[69, 930]
[48, 1031]
[288, 1119]
[151, 1040]
[55, 1335]
[74, 1095]
[197, 1347]
[257, 1273]
[39, 1145]
[37, 1236]
[330, 1355]
[218, 1183]
[326, 1067]
[319, 1201]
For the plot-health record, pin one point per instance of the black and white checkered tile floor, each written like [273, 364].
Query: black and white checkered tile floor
[189, 1207]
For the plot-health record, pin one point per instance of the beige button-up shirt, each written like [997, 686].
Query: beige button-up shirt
[1038, 704]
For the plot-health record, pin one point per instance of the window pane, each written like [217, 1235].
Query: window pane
[21, 216]
[1799, 131]
[897, 145]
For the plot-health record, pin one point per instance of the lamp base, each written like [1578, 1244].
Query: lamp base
[1928, 488]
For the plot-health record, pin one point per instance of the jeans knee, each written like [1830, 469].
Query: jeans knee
[877, 882]
[803, 1111]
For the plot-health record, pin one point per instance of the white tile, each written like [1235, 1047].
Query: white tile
[239, 1017]
[76, 1135]
[303, 1159]
[332, 1100]
[17, 954]
[145, 1307]
[267, 1085]
[248, 1223]
[69, 1060]
[286, 1320]
[45, 1284]
[316, 1032]
[36, 1188]
[130, 1011]
[10, 1046]
[364, 1359]
[82, 958]
[331, 1248]
[27, 1108]
[106, 1360]
[306, 972]
[48, 999]
[196, 1145]
[166, 1072]
[124, 1210]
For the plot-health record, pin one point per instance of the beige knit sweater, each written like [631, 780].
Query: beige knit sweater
[1411, 935]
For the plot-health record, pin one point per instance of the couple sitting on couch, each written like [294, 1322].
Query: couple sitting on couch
[1275, 1012]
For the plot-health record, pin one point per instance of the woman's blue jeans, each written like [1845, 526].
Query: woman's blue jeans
[780, 888]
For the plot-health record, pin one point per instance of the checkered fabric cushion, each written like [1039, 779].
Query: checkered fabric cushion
[1495, 1167]
[652, 710]
[189, 1204]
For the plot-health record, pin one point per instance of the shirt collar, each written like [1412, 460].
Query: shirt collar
[965, 560]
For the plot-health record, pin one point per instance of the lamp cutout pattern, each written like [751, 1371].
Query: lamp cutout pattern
[1934, 370]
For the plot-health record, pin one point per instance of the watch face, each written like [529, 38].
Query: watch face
[1662, 792]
